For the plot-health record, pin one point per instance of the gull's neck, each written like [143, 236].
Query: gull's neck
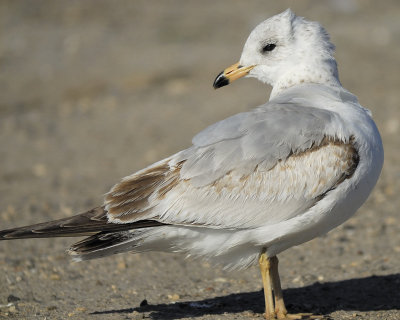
[324, 73]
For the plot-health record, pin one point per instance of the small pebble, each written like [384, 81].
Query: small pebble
[12, 298]
[174, 297]
[55, 276]
[80, 309]
[12, 309]
[144, 303]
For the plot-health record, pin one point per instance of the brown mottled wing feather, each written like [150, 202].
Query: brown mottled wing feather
[84, 224]
[292, 185]
[131, 197]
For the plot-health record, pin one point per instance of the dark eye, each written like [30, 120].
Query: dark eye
[268, 47]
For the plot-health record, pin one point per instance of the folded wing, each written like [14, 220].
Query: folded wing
[272, 163]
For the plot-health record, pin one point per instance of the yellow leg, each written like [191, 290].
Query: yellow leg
[265, 265]
[274, 304]
[280, 309]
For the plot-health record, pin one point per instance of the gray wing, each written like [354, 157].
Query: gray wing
[258, 167]
[260, 137]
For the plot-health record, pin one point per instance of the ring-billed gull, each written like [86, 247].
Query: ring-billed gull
[254, 184]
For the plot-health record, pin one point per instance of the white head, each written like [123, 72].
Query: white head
[284, 51]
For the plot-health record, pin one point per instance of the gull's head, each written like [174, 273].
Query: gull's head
[283, 51]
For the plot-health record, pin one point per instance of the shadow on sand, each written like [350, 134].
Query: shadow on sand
[364, 294]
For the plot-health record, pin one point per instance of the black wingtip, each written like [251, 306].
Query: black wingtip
[220, 81]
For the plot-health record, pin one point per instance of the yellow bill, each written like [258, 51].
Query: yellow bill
[230, 74]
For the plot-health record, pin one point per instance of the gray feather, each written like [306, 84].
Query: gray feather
[264, 135]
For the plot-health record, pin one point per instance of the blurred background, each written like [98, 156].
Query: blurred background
[91, 91]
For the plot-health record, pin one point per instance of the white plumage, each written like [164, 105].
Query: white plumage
[277, 176]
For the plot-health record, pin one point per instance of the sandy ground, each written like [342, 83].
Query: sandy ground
[95, 90]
